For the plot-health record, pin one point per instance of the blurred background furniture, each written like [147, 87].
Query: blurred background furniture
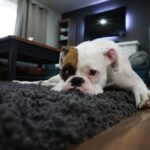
[14, 49]
[131, 48]
[143, 71]
[67, 33]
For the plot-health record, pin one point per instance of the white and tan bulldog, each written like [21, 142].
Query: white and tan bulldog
[91, 65]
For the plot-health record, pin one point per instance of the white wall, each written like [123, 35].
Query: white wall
[52, 27]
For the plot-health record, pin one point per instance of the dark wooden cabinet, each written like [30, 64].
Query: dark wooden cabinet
[67, 33]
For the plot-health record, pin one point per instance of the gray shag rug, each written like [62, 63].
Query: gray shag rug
[33, 117]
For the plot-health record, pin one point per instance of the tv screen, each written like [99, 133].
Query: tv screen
[105, 24]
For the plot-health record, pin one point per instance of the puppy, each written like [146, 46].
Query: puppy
[91, 65]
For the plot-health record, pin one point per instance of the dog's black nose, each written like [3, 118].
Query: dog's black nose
[77, 81]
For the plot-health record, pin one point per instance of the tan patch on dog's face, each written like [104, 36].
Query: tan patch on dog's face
[71, 57]
[69, 65]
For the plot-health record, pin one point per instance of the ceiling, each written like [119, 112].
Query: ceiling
[69, 5]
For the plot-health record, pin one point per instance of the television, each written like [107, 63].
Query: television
[105, 24]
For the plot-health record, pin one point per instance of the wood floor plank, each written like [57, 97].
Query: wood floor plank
[132, 133]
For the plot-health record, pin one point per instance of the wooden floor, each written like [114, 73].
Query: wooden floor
[132, 133]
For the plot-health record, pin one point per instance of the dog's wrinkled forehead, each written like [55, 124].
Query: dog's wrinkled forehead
[91, 55]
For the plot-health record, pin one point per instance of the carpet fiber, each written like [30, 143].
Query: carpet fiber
[33, 117]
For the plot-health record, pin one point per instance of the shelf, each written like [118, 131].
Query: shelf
[65, 40]
[63, 33]
[67, 29]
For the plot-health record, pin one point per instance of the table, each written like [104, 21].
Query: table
[15, 49]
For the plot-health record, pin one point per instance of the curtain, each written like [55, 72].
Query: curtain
[31, 20]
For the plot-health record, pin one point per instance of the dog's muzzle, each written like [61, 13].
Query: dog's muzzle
[78, 83]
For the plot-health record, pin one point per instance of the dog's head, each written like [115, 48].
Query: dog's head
[85, 67]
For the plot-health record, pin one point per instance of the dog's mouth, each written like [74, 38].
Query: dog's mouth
[75, 90]
[78, 84]
[80, 89]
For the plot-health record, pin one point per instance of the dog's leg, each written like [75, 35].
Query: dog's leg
[59, 86]
[142, 93]
[121, 73]
[26, 82]
[128, 79]
[51, 81]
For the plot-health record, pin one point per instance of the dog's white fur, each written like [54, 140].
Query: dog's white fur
[112, 67]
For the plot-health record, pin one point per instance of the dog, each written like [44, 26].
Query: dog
[92, 65]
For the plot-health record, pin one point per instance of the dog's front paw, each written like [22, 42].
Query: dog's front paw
[142, 98]
[56, 88]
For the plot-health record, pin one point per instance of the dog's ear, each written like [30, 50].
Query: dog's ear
[112, 58]
[63, 52]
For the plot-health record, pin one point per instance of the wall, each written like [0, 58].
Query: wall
[138, 18]
[52, 36]
[52, 27]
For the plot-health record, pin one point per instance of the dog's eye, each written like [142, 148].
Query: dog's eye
[67, 71]
[92, 72]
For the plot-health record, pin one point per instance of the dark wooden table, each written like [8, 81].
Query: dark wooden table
[16, 49]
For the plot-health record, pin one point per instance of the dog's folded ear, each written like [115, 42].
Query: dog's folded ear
[112, 58]
[63, 52]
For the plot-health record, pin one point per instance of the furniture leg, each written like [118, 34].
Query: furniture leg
[12, 62]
